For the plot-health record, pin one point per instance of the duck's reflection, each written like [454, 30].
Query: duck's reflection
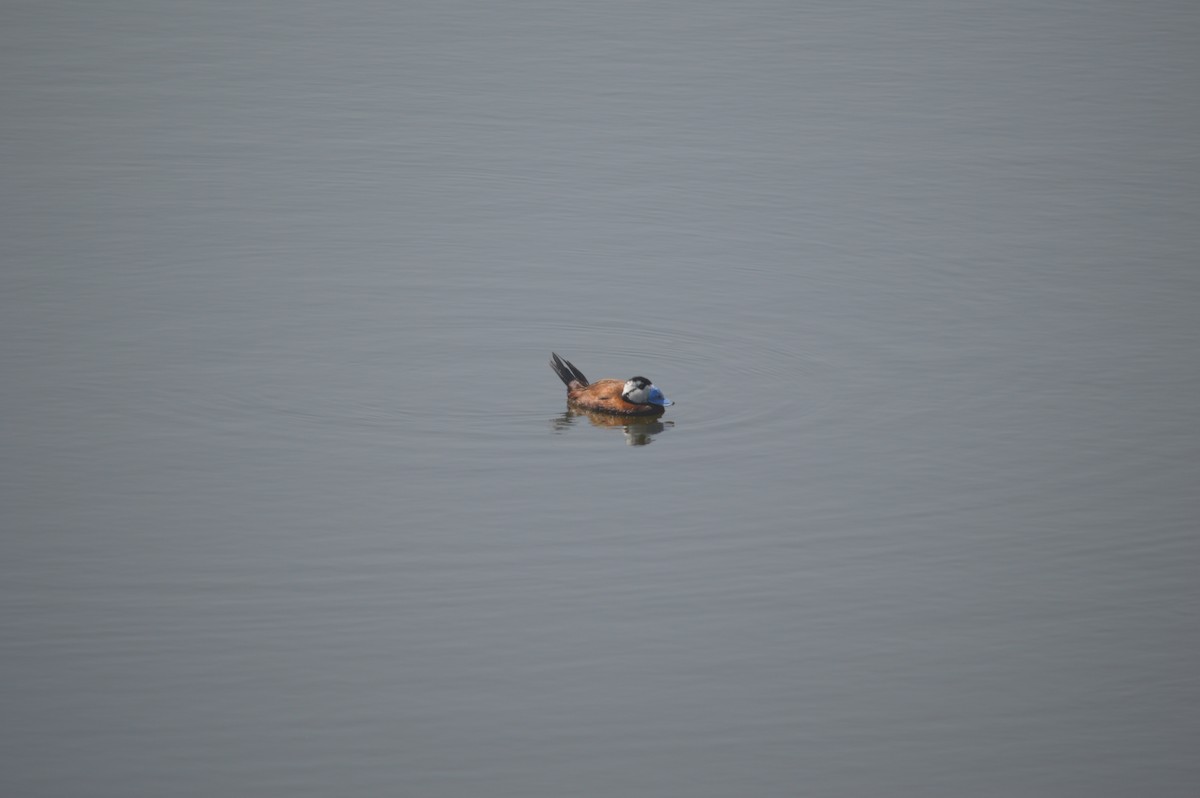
[639, 430]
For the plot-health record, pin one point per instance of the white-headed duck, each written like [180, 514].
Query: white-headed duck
[636, 396]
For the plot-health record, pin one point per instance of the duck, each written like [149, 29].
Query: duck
[636, 396]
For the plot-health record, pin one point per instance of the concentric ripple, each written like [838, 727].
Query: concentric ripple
[488, 379]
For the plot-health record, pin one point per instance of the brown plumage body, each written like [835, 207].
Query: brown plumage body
[604, 396]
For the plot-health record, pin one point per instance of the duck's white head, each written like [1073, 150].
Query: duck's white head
[641, 391]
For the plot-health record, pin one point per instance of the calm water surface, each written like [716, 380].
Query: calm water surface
[292, 504]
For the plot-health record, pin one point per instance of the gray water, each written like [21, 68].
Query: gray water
[292, 505]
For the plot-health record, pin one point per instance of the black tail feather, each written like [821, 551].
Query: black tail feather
[566, 371]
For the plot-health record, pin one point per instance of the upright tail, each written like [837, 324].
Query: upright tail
[567, 372]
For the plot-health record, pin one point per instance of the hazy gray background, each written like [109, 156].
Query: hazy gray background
[291, 506]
